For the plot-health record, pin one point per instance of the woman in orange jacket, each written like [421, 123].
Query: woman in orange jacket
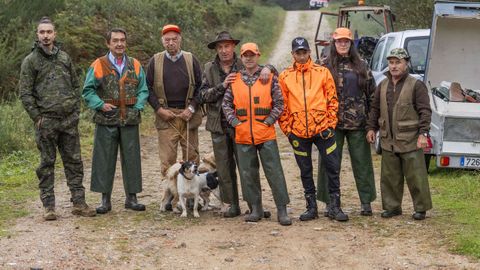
[310, 117]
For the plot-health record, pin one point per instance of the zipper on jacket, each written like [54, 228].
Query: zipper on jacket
[251, 118]
[305, 101]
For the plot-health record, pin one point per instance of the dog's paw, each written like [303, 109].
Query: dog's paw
[184, 214]
[205, 208]
[195, 214]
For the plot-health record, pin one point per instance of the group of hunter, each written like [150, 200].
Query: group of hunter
[313, 104]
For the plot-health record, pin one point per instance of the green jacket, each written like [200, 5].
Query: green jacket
[127, 91]
[48, 84]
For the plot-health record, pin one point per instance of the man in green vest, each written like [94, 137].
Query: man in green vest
[173, 79]
[217, 77]
[116, 90]
[401, 111]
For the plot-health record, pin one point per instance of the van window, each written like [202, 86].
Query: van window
[376, 56]
[417, 49]
[388, 48]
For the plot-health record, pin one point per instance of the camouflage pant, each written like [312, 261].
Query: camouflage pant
[61, 133]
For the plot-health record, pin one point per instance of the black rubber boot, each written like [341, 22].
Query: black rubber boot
[312, 211]
[233, 211]
[106, 204]
[131, 203]
[256, 214]
[282, 216]
[266, 213]
[366, 209]
[335, 211]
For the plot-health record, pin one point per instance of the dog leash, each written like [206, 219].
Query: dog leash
[185, 139]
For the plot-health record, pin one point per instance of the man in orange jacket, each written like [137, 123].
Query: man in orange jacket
[309, 117]
[252, 108]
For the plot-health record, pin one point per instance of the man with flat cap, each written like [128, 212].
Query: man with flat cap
[218, 75]
[310, 117]
[173, 79]
[401, 111]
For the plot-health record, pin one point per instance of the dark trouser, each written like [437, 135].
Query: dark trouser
[396, 168]
[250, 175]
[302, 148]
[362, 166]
[105, 148]
[61, 133]
[225, 156]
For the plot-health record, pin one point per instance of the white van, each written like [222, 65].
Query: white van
[414, 41]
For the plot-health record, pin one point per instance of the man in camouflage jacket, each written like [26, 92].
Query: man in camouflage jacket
[49, 92]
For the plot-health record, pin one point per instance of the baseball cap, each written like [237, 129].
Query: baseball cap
[171, 27]
[300, 43]
[342, 32]
[250, 46]
[399, 53]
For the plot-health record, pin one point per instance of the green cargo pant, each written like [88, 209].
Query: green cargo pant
[396, 168]
[362, 166]
[107, 140]
[61, 133]
[225, 156]
[250, 172]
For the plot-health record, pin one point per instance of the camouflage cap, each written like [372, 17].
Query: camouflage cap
[399, 53]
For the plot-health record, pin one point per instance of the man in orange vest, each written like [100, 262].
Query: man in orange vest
[310, 117]
[252, 108]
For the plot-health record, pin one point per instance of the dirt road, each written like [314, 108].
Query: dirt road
[152, 240]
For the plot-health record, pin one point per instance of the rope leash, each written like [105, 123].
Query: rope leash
[185, 139]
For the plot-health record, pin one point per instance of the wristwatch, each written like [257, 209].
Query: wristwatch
[191, 108]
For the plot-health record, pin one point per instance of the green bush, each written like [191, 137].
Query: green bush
[16, 128]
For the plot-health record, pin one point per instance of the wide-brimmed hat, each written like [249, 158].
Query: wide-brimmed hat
[222, 36]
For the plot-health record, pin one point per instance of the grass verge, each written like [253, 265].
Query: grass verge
[456, 195]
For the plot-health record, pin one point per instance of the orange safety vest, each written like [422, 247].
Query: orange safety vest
[252, 106]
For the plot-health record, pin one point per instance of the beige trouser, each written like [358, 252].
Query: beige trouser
[168, 140]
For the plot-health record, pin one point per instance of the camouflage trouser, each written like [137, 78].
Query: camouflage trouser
[61, 133]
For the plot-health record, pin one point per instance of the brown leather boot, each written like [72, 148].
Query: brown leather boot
[82, 209]
[49, 214]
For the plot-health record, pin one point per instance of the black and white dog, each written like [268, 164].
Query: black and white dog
[191, 184]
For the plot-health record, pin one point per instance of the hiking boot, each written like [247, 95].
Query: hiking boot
[131, 203]
[49, 214]
[82, 209]
[366, 209]
[282, 216]
[106, 204]
[256, 214]
[312, 211]
[233, 211]
[335, 212]
[419, 215]
[391, 213]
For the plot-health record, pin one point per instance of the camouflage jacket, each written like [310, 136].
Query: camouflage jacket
[353, 102]
[48, 84]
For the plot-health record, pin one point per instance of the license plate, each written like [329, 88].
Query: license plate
[470, 162]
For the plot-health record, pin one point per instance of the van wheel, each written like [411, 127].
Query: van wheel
[377, 145]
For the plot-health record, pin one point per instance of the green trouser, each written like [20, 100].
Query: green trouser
[105, 148]
[250, 175]
[61, 133]
[361, 160]
[405, 166]
[225, 156]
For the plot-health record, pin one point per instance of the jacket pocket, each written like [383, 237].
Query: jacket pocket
[383, 127]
